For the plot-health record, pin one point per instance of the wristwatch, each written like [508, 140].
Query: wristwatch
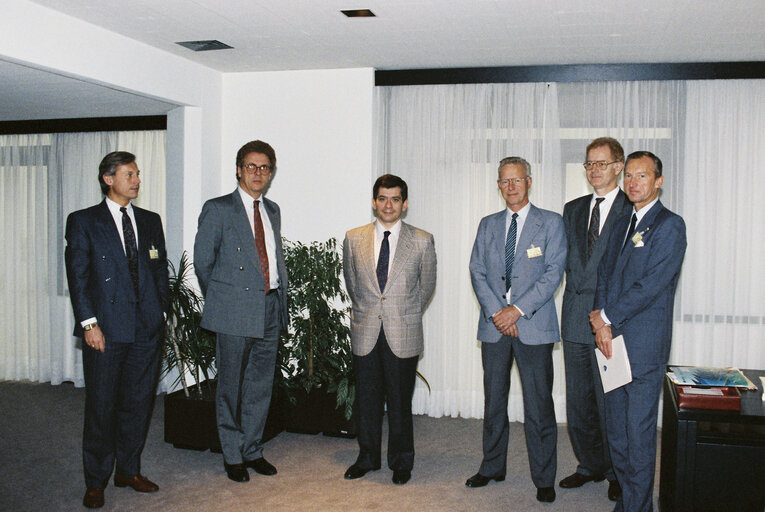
[90, 326]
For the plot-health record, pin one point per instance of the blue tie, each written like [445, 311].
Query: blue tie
[512, 233]
[382, 262]
[131, 248]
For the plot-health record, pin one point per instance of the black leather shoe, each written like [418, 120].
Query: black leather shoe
[614, 490]
[578, 480]
[478, 480]
[356, 471]
[237, 472]
[401, 476]
[261, 466]
[94, 498]
[546, 494]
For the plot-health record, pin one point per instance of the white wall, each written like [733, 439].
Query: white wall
[46, 39]
[320, 125]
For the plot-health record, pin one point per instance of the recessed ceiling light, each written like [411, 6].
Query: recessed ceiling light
[203, 46]
[359, 13]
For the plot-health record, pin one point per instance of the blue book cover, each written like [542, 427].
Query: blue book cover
[706, 376]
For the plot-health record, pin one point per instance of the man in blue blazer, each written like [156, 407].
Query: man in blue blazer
[589, 222]
[635, 297]
[239, 262]
[516, 265]
[116, 267]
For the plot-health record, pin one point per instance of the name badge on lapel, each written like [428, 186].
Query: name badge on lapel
[533, 252]
[153, 253]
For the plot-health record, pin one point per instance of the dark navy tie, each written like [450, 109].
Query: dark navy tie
[594, 231]
[512, 233]
[131, 248]
[630, 230]
[382, 262]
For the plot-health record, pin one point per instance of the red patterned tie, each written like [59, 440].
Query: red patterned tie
[260, 244]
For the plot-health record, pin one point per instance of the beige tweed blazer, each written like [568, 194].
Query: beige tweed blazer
[411, 283]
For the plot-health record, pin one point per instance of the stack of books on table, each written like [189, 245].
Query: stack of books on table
[701, 387]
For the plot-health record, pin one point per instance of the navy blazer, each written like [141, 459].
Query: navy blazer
[99, 281]
[636, 286]
[228, 267]
[540, 257]
[582, 272]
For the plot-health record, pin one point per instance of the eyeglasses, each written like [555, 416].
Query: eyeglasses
[599, 165]
[514, 181]
[261, 169]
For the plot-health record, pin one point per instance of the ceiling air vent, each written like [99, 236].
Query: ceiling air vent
[203, 46]
[359, 13]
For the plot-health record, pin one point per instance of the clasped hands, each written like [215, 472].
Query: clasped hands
[603, 336]
[505, 320]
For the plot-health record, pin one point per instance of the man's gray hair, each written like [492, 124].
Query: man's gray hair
[514, 160]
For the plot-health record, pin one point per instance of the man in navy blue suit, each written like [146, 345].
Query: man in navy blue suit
[634, 298]
[116, 266]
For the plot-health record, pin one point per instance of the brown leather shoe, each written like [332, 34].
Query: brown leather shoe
[94, 498]
[139, 483]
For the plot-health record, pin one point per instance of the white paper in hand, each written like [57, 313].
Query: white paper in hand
[614, 372]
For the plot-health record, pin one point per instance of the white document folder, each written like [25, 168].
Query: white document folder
[614, 372]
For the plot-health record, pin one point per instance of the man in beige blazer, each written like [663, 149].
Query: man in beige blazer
[390, 275]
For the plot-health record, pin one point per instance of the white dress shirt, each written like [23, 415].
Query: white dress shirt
[395, 231]
[520, 220]
[268, 231]
[605, 207]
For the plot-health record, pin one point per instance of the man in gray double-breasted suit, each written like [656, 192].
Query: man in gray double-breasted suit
[516, 266]
[589, 222]
[240, 266]
[390, 275]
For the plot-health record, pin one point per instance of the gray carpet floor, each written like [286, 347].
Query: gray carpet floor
[41, 468]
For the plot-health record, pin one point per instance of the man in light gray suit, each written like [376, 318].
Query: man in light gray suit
[589, 222]
[390, 275]
[240, 266]
[516, 266]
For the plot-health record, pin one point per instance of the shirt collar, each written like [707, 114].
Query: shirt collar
[247, 198]
[640, 214]
[609, 197]
[522, 213]
[395, 229]
[115, 207]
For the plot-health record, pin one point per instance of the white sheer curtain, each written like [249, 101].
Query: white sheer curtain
[721, 301]
[446, 141]
[42, 179]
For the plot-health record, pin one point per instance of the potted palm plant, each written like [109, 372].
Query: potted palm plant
[315, 356]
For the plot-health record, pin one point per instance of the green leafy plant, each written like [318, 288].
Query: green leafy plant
[188, 347]
[317, 351]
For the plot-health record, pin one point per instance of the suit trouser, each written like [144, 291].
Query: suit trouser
[119, 394]
[585, 410]
[536, 371]
[245, 381]
[381, 378]
[631, 413]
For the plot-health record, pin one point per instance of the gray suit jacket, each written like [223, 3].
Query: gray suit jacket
[227, 266]
[411, 283]
[535, 278]
[582, 273]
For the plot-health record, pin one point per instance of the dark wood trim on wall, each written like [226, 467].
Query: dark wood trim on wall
[85, 124]
[573, 73]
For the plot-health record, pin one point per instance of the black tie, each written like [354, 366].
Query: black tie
[131, 248]
[594, 230]
[630, 230]
[382, 262]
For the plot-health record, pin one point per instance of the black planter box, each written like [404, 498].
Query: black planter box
[316, 412]
[190, 421]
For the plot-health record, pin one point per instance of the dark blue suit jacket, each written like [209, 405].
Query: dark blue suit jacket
[99, 281]
[636, 287]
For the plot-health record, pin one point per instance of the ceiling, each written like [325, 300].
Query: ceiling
[313, 34]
